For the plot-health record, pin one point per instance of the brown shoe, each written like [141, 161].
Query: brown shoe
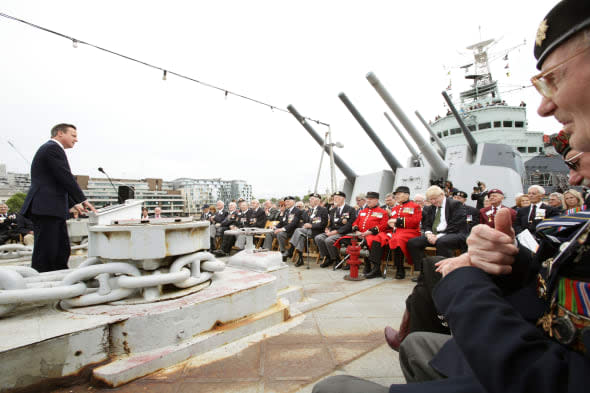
[392, 337]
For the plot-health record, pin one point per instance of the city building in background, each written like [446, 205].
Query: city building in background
[183, 196]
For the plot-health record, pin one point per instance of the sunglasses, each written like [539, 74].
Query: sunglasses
[545, 83]
[574, 165]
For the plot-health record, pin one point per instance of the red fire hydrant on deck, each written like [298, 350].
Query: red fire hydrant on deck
[353, 251]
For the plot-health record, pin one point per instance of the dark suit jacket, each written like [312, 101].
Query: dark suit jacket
[522, 218]
[220, 216]
[342, 222]
[53, 187]
[319, 221]
[290, 220]
[256, 219]
[472, 217]
[454, 215]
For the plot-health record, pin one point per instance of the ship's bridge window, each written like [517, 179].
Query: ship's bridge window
[439, 135]
[507, 123]
[519, 124]
[497, 124]
[471, 127]
[446, 132]
[484, 126]
[455, 131]
[522, 149]
[532, 149]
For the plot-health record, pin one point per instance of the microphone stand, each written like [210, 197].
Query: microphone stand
[114, 188]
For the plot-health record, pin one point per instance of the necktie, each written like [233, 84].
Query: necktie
[533, 213]
[436, 220]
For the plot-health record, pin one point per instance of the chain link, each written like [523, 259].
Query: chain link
[95, 282]
[13, 251]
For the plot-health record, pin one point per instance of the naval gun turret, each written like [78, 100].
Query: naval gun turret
[497, 165]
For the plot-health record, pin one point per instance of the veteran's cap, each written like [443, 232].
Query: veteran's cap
[373, 194]
[565, 19]
[339, 193]
[462, 194]
[495, 191]
[402, 189]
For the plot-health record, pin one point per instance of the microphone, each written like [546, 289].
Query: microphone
[110, 181]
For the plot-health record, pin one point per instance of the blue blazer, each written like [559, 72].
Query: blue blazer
[53, 187]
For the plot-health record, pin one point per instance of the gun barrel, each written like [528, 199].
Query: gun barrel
[468, 135]
[413, 151]
[344, 168]
[389, 157]
[439, 167]
[441, 145]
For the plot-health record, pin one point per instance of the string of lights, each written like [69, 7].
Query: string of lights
[165, 72]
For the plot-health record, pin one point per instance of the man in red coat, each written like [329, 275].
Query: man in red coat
[370, 222]
[487, 215]
[405, 220]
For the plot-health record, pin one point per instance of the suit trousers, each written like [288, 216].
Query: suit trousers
[282, 237]
[51, 249]
[299, 237]
[326, 245]
[415, 353]
[445, 246]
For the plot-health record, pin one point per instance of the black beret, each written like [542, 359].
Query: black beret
[565, 19]
[289, 198]
[205, 206]
[315, 194]
[339, 193]
[373, 194]
[402, 189]
[462, 194]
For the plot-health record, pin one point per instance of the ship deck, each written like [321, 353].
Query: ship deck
[339, 330]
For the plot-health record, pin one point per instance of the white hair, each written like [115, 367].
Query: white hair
[538, 188]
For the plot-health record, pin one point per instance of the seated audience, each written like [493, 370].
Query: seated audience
[556, 200]
[285, 228]
[342, 216]
[529, 217]
[315, 222]
[487, 215]
[234, 220]
[444, 226]
[573, 202]
[471, 213]
[255, 218]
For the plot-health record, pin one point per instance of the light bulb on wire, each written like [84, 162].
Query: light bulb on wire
[164, 76]
[75, 43]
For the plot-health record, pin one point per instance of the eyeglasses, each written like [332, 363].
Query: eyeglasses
[574, 165]
[544, 82]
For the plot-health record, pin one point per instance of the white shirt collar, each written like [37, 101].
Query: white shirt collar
[59, 143]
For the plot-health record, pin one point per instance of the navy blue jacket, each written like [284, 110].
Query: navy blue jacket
[496, 346]
[53, 187]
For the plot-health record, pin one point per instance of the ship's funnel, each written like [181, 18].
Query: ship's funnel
[394, 164]
[441, 146]
[413, 152]
[468, 135]
[344, 168]
[439, 167]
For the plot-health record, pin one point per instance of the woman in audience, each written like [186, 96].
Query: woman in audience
[556, 200]
[573, 202]
[522, 201]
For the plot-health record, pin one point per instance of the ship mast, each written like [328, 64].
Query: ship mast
[484, 89]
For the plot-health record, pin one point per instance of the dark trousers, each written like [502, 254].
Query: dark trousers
[420, 306]
[227, 243]
[445, 246]
[52, 244]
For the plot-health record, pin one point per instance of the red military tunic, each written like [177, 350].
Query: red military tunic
[374, 220]
[408, 216]
[487, 215]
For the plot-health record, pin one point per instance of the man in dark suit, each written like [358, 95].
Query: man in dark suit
[471, 213]
[341, 217]
[285, 228]
[215, 230]
[315, 221]
[53, 192]
[255, 218]
[528, 217]
[487, 215]
[444, 227]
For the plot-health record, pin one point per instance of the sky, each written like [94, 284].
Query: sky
[136, 125]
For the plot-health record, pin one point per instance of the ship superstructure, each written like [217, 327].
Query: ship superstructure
[487, 116]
